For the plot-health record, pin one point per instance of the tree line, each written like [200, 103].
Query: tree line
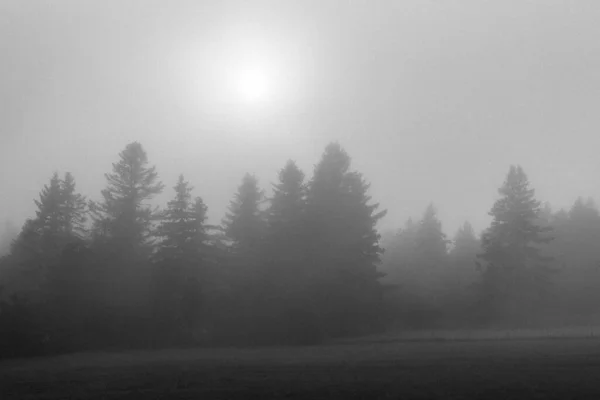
[299, 266]
[532, 267]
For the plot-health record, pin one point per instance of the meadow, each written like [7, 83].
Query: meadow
[427, 365]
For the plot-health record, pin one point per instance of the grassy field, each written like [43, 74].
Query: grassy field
[374, 368]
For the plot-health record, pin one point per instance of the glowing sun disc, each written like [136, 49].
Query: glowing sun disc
[253, 84]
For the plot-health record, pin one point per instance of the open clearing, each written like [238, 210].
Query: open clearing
[490, 369]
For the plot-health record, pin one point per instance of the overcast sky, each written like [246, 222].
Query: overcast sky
[432, 99]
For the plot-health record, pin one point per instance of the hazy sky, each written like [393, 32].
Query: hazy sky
[432, 99]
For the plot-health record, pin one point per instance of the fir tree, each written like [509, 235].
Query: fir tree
[463, 256]
[344, 252]
[516, 274]
[400, 252]
[182, 258]
[244, 224]
[285, 293]
[286, 218]
[74, 208]
[431, 242]
[183, 230]
[122, 214]
[49, 212]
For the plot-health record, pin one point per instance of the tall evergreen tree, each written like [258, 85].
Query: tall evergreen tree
[516, 274]
[282, 283]
[577, 234]
[244, 224]
[399, 256]
[431, 242]
[463, 257]
[122, 215]
[344, 252]
[49, 212]
[428, 271]
[286, 217]
[74, 208]
[122, 235]
[59, 219]
[362, 240]
[183, 230]
[182, 258]
[465, 248]
[324, 196]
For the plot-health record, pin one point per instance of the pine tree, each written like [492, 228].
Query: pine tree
[49, 213]
[38, 250]
[122, 215]
[74, 208]
[182, 258]
[465, 239]
[286, 216]
[399, 253]
[285, 294]
[59, 210]
[428, 272]
[183, 229]
[431, 242]
[463, 256]
[575, 246]
[361, 236]
[344, 252]
[324, 214]
[516, 274]
[244, 224]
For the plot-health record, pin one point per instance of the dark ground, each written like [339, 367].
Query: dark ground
[506, 369]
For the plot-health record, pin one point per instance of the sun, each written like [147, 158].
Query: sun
[253, 84]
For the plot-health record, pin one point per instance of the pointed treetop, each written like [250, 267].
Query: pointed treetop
[334, 163]
[243, 223]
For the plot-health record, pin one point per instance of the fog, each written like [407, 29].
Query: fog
[432, 100]
[307, 199]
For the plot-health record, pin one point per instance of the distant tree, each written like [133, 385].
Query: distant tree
[399, 254]
[39, 269]
[577, 234]
[344, 251]
[284, 280]
[123, 234]
[424, 267]
[464, 255]
[244, 224]
[584, 232]
[461, 277]
[183, 256]
[74, 208]
[49, 212]
[183, 230]
[244, 228]
[59, 220]
[122, 216]
[431, 243]
[362, 240]
[286, 215]
[516, 275]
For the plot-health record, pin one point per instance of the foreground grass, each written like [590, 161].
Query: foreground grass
[503, 369]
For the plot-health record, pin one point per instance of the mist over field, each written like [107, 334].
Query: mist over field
[310, 185]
